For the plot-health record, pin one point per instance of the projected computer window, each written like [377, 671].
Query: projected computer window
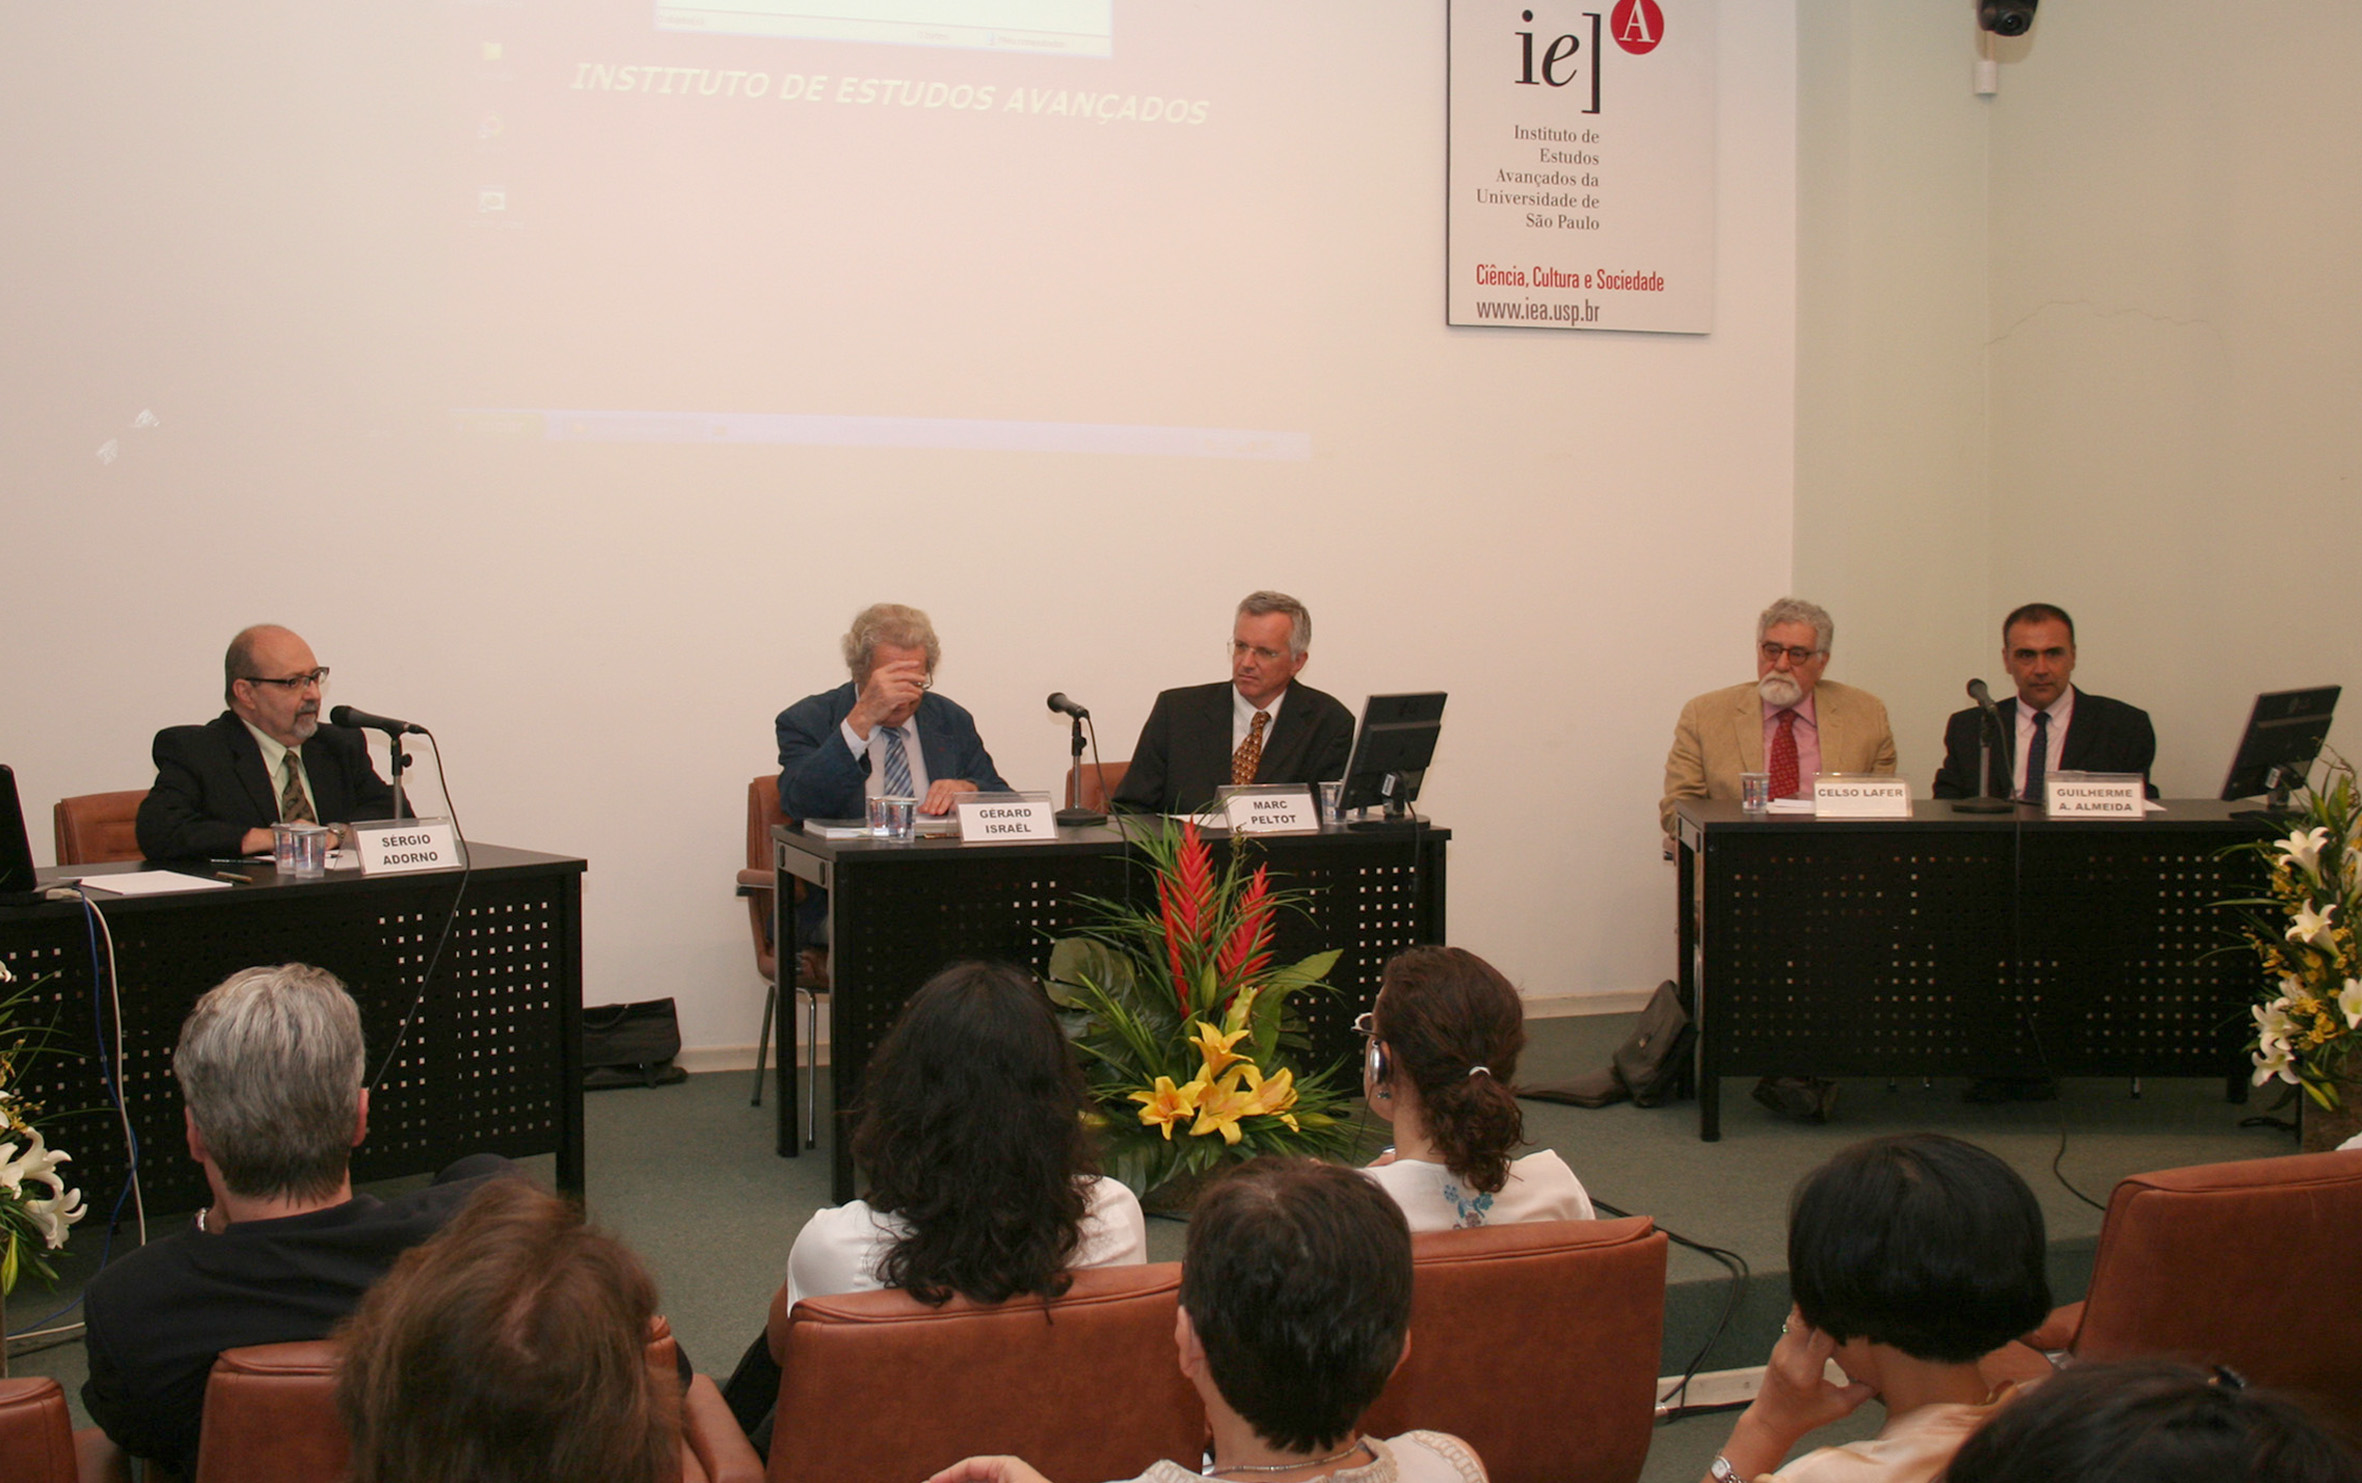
[1082, 28]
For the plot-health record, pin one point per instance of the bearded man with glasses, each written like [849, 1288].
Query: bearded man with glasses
[268, 759]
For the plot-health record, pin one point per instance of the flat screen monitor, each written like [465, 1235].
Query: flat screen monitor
[2284, 735]
[1392, 749]
[17, 882]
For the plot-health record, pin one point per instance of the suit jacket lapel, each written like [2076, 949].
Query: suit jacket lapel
[246, 762]
[1829, 721]
[1746, 720]
[1284, 739]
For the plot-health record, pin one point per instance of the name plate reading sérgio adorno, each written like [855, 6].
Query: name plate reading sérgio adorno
[991, 816]
[1845, 795]
[2094, 795]
[1282, 809]
[392, 846]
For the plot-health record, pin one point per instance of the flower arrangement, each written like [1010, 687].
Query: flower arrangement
[31, 1225]
[2306, 1018]
[1184, 1025]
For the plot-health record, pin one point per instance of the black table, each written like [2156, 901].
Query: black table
[493, 1063]
[1963, 944]
[900, 913]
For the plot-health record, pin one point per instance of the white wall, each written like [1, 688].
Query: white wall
[239, 221]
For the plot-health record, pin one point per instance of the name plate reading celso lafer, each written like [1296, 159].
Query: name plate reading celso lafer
[989, 816]
[2094, 795]
[1840, 795]
[390, 847]
[1280, 810]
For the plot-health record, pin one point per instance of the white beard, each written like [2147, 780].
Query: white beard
[1779, 689]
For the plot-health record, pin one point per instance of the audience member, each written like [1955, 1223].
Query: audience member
[2152, 1422]
[270, 1070]
[1295, 1307]
[1444, 1037]
[982, 1178]
[511, 1348]
[1911, 1258]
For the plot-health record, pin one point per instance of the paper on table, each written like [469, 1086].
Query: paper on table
[151, 883]
[1791, 805]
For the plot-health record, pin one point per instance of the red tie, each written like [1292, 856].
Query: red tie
[1783, 757]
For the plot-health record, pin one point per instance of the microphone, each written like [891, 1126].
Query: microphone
[1978, 693]
[1065, 707]
[345, 715]
[1991, 731]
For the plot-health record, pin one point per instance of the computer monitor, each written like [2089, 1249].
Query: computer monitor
[1392, 750]
[2284, 735]
[17, 882]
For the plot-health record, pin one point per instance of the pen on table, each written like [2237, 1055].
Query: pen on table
[232, 875]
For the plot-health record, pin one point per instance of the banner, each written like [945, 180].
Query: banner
[1581, 192]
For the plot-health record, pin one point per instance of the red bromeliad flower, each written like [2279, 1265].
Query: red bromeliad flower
[1248, 952]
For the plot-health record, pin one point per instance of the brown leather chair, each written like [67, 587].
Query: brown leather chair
[879, 1385]
[757, 884]
[38, 1443]
[270, 1417]
[93, 828]
[1537, 1344]
[2233, 1264]
[1099, 783]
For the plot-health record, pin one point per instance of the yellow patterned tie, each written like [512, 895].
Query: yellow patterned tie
[1249, 755]
[294, 808]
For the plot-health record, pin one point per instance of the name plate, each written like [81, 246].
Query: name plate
[1278, 810]
[1841, 795]
[2094, 795]
[989, 816]
[390, 847]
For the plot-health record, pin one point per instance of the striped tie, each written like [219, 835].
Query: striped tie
[897, 765]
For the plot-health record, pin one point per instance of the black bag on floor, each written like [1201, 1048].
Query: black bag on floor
[1652, 1064]
[631, 1045]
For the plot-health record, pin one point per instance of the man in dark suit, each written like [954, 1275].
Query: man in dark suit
[266, 760]
[1261, 727]
[2052, 726]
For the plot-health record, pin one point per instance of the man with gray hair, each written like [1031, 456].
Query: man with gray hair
[1792, 724]
[270, 1071]
[1260, 727]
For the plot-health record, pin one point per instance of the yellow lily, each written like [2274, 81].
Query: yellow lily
[1169, 1104]
[1220, 1108]
[1271, 1098]
[1216, 1048]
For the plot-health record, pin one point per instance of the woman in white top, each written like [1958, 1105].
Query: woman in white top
[982, 1178]
[1444, 1038]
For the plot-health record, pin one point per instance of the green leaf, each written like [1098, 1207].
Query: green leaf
[1076, 959]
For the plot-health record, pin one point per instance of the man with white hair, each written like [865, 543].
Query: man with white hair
[270, 1072]
[1792, 724]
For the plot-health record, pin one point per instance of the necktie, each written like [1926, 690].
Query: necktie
[1249, 755]
[1783, 757]
[294, 808]
[897, 765]
[2037, 756]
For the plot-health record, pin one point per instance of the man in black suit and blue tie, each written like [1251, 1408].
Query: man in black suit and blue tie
[2052, 726]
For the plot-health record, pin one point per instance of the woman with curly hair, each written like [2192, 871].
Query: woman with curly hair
[1444, 1038]
[982, 1178]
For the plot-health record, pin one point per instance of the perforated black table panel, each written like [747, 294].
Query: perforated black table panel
[1951, 944]
[900, 913]
[491, 1064]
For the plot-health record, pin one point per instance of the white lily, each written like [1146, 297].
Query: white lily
[2303, 848]
[2273, 1060]
[2272, 1025]
[2311, 926]
[2349, 1003]
[37, 1165]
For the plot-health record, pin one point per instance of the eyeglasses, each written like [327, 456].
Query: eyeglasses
[1268, 656]
[1797, 653]
[1365, 1024]
[306, 680]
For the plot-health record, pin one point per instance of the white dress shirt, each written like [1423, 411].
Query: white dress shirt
[274, 762]
[2059, 711]
[1242, 717]
[875, 750]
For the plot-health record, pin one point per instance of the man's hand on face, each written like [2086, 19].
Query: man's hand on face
[889, 696]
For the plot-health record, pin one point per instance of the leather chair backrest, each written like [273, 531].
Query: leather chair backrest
[879, 1385]
[1538, 1345]
[1100, 782]
[93, 828]
[270, 1417]
[2238, 1264]
[758, 876]
[36, 1433]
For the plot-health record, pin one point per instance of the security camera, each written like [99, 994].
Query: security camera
[2007, 17]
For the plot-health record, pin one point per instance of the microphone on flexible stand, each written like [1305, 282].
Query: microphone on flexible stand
[1074, 814]
[1987, 729]
[345, 715]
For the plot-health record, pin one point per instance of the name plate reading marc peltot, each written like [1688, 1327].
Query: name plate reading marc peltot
[2094, 795]
[1278, 810]
[991, 816]
[392, 846]
[1840, 795]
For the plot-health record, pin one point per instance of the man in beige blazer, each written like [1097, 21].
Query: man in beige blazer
[1827, 728]
[1724, 733]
